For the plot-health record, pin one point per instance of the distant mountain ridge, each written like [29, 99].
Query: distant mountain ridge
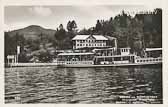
[33, 31]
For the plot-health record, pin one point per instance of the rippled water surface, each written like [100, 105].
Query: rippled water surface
[141, 84]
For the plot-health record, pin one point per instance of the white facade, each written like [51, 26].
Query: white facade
[81, 41]
[125, 51]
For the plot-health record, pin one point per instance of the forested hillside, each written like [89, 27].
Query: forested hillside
[142, 30]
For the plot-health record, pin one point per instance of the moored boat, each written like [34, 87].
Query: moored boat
[112, 59]
[103, 51]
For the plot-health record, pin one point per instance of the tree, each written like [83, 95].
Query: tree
[11, 43]
[71, 26]
[10, 46]
[136, 35]
[60, 33]
[60, 36]
[98, 27]
[84, 31]
[45, 56]
[23, 57]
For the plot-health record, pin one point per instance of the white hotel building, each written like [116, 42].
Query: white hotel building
[93, 41]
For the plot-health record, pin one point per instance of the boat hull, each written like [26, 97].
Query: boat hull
[107, 65]
[80, 65]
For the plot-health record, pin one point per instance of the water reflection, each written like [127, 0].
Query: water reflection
[83, 85]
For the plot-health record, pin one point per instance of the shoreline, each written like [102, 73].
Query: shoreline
[76, 66]
[29, 64]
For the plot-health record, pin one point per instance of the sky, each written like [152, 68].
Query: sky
[51, 17]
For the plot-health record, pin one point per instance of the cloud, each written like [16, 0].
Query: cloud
[39, 10]
[85, 16]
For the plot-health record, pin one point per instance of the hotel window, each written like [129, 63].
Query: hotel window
[77, 44]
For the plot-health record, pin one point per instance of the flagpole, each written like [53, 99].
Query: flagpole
[18, 52]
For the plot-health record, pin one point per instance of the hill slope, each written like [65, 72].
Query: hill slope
[33, 32]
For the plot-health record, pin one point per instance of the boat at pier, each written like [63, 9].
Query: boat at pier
[105, 53]
[106, 60]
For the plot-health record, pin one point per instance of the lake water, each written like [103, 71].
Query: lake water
[142, 84]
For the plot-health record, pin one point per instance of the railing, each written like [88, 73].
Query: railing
[74, 62]
[114, 62]
[121, 62]
[148, 60]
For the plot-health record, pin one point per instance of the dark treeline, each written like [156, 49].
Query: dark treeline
[142, 30]
[63, 37]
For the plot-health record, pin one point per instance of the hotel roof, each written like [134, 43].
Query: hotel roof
[84, 37]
